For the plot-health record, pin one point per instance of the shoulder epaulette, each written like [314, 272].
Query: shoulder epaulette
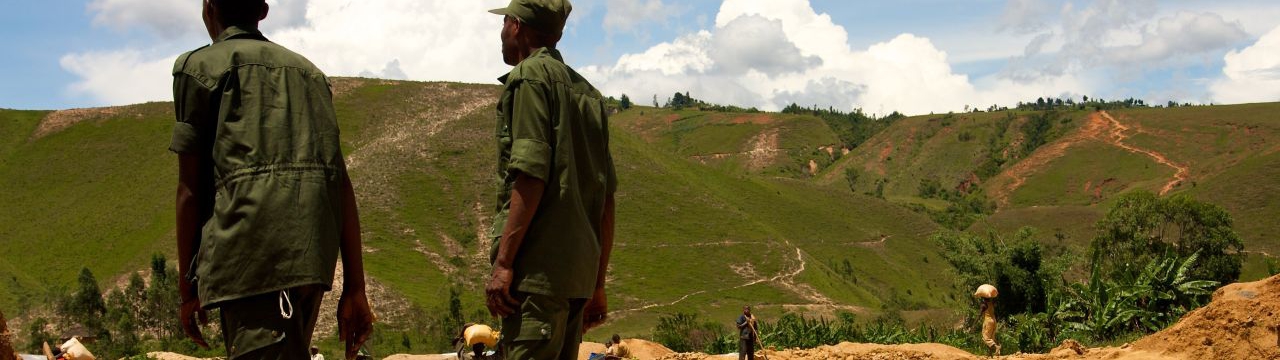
[181, 64]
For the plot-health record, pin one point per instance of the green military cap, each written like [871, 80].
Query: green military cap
[545, 15]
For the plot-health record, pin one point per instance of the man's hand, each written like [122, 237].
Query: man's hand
[355, 320]
[498, 293]
[596, 311]
[192, 317]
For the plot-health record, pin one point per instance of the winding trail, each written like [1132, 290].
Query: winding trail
[1100, 126]
[875, 243]
[785, 279]
[1018, 173]
[1117, 138]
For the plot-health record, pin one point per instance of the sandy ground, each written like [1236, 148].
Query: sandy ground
[1237, 324]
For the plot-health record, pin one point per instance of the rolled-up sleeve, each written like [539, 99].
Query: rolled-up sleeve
[531, 132]
[190, 104]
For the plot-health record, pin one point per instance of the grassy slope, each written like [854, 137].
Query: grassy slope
[686, 228]
[95, 195]
[1231, 152]
[422, 172]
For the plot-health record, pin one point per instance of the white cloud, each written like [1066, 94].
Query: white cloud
[121, 77]
[1025, 16]
[753, 42]
[1130, 37]
[402, 39]
[1251, 74]
[428, 39]
[172, 19]
[631, 15]
[768, 54]
[687, 54]
[167, 18]
[1183, 34]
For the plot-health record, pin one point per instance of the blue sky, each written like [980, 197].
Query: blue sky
[915, 56]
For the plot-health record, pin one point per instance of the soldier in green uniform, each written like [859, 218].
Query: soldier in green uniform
[554, 226]
[264, 203]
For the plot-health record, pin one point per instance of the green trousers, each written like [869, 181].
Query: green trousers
[545, 328]
[255, 328]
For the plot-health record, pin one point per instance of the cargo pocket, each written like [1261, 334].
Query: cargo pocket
[538, 316]
[539, 328]
[248, 341]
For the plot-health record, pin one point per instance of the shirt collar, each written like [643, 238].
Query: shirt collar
[237, 32]
[555, 54]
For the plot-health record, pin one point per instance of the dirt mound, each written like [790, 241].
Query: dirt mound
[169, 356]
[847, 350]
[421, 357]
[1238, 324]
[640, 349]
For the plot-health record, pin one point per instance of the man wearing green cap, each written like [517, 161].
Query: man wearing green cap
[554, 225]
[264, 203]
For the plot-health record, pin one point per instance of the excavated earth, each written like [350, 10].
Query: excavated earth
[1239, 323]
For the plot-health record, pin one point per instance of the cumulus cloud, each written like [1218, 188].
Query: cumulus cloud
[1025, 16]
[630, 15]
[753, 42]
[399, 39]
[1127, 36]
[167, 18]
[172, 19]
[1184, 34]
[428, 39]
[769, 54]
[120, 77]
[1251, 74]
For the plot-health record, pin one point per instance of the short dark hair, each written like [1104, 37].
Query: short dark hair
[541, 37]
[239, 12]
[616, 338]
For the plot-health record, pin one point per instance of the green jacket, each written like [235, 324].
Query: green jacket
[552, 125]
[261, 117]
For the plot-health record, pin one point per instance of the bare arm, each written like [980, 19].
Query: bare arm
[526, 194]
[352, 259]
[190, 214]
[606, 240]
[597, 310]
[355, 316]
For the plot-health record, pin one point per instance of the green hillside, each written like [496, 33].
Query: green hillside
[1226, 155]
[691, 237]
[716, 209]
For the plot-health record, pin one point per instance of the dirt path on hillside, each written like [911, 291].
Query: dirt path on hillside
[875, 243]
[784, 279]
[1117, 138]
[1099, 126]
[1093, 128]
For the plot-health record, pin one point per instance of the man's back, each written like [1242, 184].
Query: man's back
[262, 119]
[553, 127]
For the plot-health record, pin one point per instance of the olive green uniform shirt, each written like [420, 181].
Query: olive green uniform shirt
[261, 118]
[552, 126]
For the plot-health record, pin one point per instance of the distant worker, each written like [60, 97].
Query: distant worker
[616, 350]
[747, 334]
[553, 230]
[987, 294]
[264, 203]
